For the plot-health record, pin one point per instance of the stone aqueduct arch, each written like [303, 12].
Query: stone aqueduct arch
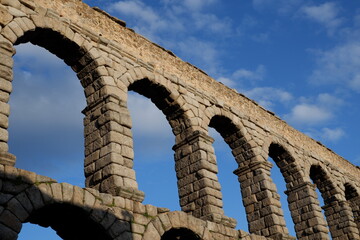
[109, 60]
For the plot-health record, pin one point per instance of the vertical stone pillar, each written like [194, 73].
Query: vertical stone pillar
[355, 206]
[340, 220]
[109, 149]
[306, 212]
[196, 170]
[261, 201]
[6, 76]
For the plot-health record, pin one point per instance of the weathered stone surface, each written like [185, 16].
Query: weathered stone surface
[5, 16]
[12, 3]
[16, 12]
[110, 60]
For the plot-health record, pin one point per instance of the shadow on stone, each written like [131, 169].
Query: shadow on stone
[74, 213]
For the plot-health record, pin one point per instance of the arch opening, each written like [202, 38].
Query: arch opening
[45, 124]
[180, 234]
[38, 232]
[160, 96]
[153, 137]
[225, 127]
[221, 129]
[283, 176]
[323, 183]
[69, 222]
[352, 196]
[46, 93]
[58, 45]
[350, 192]
[323, 187]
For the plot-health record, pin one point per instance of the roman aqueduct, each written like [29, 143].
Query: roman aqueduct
[111, 59]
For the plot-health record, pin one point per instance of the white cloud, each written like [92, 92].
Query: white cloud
[39, 57]
[325, 14]
[46, 91]
[197, 5]
[211, 23]
[182, 26]
[340, 66]
[326, 135]
[146, 20]
[147, 119]
[46, 123]
[329, 101]
[201, 53]
[268, 96]
[332, 135]
[308, 114]
[136, 9]
[244, 74]
[153, 138]
[315, 110]
[227, 81]
[171, 16]
[242, 78]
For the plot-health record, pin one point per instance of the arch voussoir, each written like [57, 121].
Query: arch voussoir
[175, 221]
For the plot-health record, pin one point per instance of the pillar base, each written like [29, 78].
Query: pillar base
[283, 236]
[129, 193]
[221, 219]
[7, 159]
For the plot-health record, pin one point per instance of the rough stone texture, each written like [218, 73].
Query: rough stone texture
[110, 60]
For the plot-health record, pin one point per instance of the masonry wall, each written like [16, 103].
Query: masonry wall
[110, 60]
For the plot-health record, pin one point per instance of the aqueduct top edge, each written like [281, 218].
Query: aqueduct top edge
[148, 52]
[111, 60]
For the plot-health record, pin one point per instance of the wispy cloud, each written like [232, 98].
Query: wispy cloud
[245, 74]
[339, 66]
[137, 9]
[50, 95]
[269, 96]
[152, 134]
[146, 20]
[244, 77]
[46, 123]
[197, 5]
[203, 53]
[326, 135]
[247, 82]
[332, 135]
[168, 25]
[227, 81]
[308, 114]
[326, 14]
[148, 120]
[314, 112]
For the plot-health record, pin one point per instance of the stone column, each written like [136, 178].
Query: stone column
[109, 148]
[355, 206]
[6, 76]
[196, 170]
[261, 201]
[340, 220]
[306, 212]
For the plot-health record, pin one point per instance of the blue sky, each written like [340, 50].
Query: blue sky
[299, 59]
